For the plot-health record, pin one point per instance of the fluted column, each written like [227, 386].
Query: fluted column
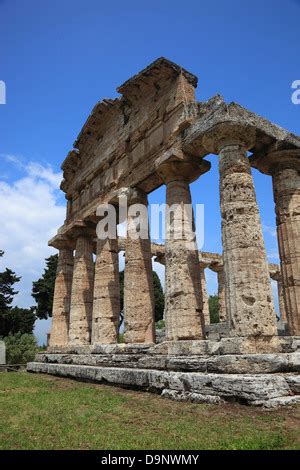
[276, 276]
[106, 305]
[138, 279]
[286, 187]
[281, 301]
[284, 167]
[205, 304]
[82, 292]
[62, 298]
[183, 301]
[219, 269]
[221, 296]
[249, 299]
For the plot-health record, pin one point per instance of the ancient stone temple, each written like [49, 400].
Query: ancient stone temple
[154, 134]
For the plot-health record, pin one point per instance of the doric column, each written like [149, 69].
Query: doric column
[205, 305]
[138, 277]
[281, 301]
[249, 302]
[82, 292]
[284, 167]
[183, 301]
[106, 305]
[221, 295]
[62, 297]
[276, 276]
[219, 269]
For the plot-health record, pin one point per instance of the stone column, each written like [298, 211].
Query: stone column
[183, 301]
[219, 269]
[138, 279]
[82, 292]
[221, 295]
[221, 292]
[284, 167]
[205, 305]
[276, 276]
[106, 305]
[249, 301]
[62, 298]
[281, 301]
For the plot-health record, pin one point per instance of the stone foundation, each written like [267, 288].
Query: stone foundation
[198, 371]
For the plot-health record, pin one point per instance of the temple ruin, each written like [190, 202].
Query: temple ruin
[154, 134]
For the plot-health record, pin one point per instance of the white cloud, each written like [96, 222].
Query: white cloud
[273, 256]
[160, 270]
[35, 170]
[14, 159]
[30, 215]
[270, 230]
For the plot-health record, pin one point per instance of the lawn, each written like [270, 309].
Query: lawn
[43, 412]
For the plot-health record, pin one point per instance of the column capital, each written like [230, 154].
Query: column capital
[62, 242]
[227, 134]
[217, 267]
[276, 160]
[175, 165]
[275, 272]
[203, 264]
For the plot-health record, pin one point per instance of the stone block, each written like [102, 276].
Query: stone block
[257, 389]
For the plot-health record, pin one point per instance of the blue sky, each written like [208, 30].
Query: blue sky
[58, 58]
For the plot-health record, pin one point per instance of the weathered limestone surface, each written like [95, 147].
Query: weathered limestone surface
[138, 281]
[221, 295]
[191, 396]
[283, 164]
[251, 388]
[82, 292]
[217, 331]
[205, 306]
[286, 185]
[221, 364]
[234, 346]
[281, 301]
[248, 288]
[183, 298]
[62, 298]
[106, 303]
[276, 276]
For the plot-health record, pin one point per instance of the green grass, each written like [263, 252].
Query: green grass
[43, 412]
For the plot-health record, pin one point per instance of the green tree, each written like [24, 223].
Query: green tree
[213, 305]
[20, 320]
[20, 348]
[159, 298]
[12, 319]
[43, 289]
[7, 279]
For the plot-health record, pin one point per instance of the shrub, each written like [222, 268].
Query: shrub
[121, 338]
[159, 325]
[20, 348]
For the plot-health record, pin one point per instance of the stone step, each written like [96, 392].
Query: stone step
[231, 364]
[255, 389]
